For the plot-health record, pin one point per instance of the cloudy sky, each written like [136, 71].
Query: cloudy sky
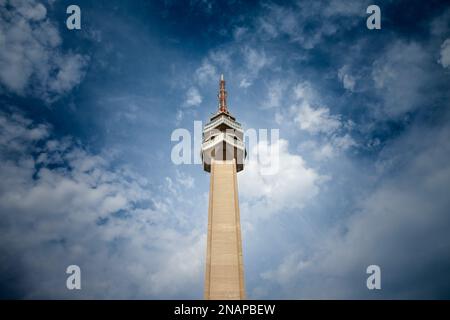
[86, 118]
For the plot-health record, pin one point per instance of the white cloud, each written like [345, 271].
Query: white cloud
[193, 97]
[292, 186]
[319, 151]
[316, 120]
[279, 118]
[186, 263]
[239, 32]
[444, 59]
[18, 133]
[267, 28]
[245, 83]
[439, 25]
[308, 22]
[308, 116]
[31, 10]
[206, 73]
[255, 60]
[401, 225]
[304, 91]
[179, 116]
[61, 205]
[70, 73]
[400, 76]
[221, 58]
[287, 270]
[348, 81]
[185, 180]
[343, 142]
[275, 92]
[32, 62]
[328, 148]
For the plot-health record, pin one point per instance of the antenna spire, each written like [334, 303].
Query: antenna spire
[222, 96]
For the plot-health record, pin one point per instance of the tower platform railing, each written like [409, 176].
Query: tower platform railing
[223, 136]
[233, 124]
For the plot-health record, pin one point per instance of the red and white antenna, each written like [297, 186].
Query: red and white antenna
[222, 96]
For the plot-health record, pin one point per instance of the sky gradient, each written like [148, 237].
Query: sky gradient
[86, 118]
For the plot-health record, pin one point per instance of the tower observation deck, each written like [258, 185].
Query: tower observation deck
[223, 135]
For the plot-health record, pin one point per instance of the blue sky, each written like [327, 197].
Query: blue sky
[86, 175]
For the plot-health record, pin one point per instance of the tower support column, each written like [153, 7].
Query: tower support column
[224, 278]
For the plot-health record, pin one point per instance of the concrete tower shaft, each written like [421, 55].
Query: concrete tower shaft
[223, 154]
